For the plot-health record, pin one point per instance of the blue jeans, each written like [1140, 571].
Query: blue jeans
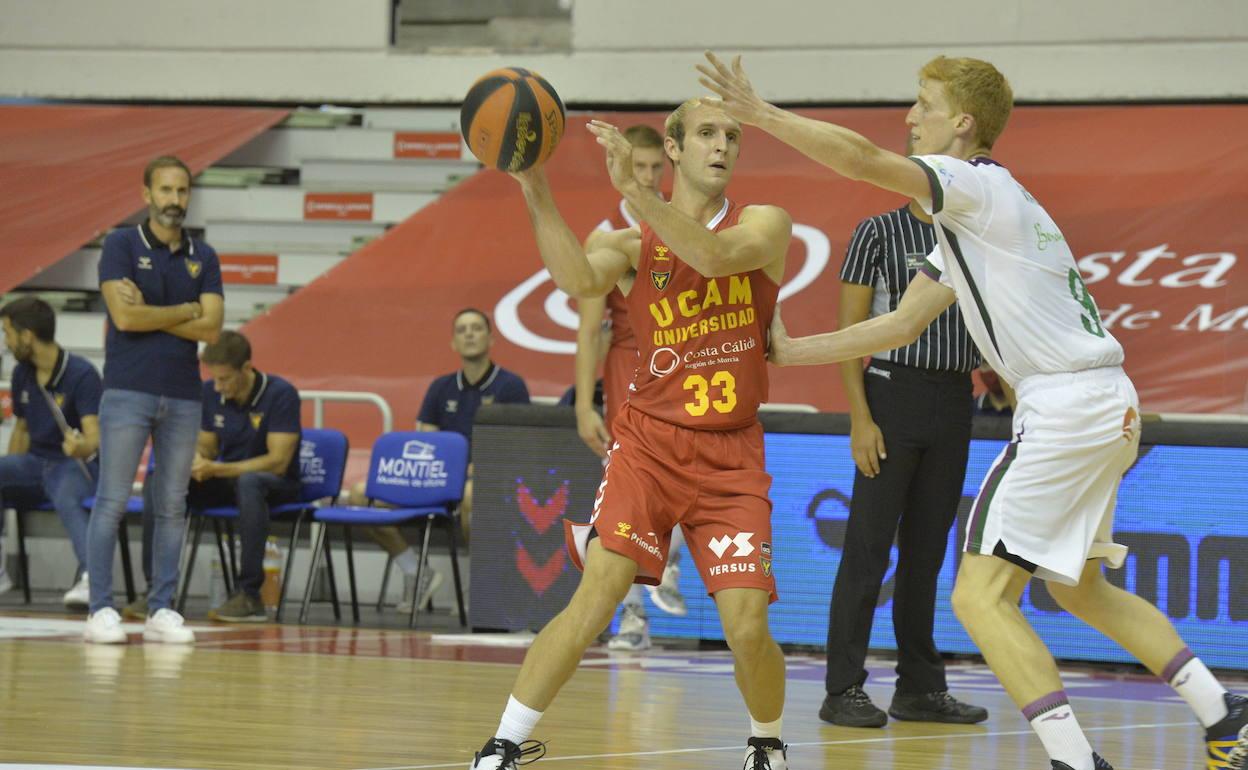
[28, 481]
[127, 419]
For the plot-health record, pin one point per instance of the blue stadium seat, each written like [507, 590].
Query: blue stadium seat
[322, 463]
[422, 475]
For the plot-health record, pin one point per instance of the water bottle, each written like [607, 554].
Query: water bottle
[271, 590]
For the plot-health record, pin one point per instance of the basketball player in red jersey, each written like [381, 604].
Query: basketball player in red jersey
[619, 366]
[687, 448]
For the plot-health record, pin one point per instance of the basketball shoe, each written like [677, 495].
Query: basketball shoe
[766, 754]
[1227, 741]
[499, 754]
[666, 595]
[1097, 764]
[634, 633]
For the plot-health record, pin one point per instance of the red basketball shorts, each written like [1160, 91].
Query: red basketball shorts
[711, 483]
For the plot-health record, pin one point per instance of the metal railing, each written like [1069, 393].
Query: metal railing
[319, 397]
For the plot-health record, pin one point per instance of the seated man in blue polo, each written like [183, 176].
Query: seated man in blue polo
[52, 450]
[451, 403]
[248, 456]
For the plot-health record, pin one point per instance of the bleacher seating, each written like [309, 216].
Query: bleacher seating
[287, 207]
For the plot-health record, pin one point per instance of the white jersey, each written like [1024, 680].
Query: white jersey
[1022, 297]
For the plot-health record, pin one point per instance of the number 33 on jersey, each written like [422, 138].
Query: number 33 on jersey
[702, 342]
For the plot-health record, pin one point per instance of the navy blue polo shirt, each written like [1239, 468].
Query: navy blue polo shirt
[156, 362]
[243, 429]
[74, 386]
[452, 402]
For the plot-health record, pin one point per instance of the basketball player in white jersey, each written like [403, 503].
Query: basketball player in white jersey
[1046, 507]
[619, 357]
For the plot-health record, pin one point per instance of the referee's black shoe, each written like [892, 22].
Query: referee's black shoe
[852, 708]
[935, 707]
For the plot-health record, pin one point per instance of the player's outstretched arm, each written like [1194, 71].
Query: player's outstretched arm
[923, 301]
[759, 239]
[846, 152]
[573, 270]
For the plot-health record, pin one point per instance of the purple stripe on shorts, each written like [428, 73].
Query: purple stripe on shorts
[1046, 704]
[1177, 662]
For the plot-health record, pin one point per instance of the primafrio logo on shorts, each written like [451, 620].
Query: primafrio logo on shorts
[741, 540]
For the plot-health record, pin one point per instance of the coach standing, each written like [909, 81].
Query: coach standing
[164, 295]
[910, 435]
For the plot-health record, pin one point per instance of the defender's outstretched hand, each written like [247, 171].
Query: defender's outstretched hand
[619, 154]
[731, 84]
[777, 340]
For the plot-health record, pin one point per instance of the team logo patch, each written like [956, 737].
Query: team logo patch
[452, 406]
[660, 254]
[194, 267]
[764, 558]
[145, 263]
[719, 545]
[622, 528]
[218, 421]
[660, 278]
[487, 399]
[59, 398]
[256, 417]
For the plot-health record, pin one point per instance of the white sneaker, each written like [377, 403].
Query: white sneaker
[78, 597]
[166, 626]
[766, 754]
[104, 627]
[634, 633]
[6, 584]
[666, 595]
[430, 579]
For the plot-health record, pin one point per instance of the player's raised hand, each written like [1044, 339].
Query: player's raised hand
[619, 154]
[741, 101]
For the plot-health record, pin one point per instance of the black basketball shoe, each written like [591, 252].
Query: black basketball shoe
[1227, 741]
[1097, 764]
[498, 754]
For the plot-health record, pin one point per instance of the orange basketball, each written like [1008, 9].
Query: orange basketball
[511, 119]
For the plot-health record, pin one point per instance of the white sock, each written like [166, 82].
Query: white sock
[1054, 722]
[408, 561]
[633, 597]
[1196, 685]
[518, 721]
[765, 729]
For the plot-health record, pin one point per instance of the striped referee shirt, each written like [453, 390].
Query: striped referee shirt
[886, 252]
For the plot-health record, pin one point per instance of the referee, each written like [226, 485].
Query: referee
[910, 434]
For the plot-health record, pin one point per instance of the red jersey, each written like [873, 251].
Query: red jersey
[702, 342]
[617, 305]
[621, 327]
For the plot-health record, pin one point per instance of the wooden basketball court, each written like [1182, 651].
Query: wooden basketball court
[371, 699]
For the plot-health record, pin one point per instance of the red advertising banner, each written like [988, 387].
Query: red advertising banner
[6, 404]
[427, 144]
[339, 206]
[1150, 198]
[253, 269]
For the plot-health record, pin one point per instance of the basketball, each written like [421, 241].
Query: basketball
[511, 119]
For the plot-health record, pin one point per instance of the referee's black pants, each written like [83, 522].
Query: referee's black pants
[925, 417]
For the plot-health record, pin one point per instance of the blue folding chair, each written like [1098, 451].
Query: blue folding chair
[322, 463]
[422, 474]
